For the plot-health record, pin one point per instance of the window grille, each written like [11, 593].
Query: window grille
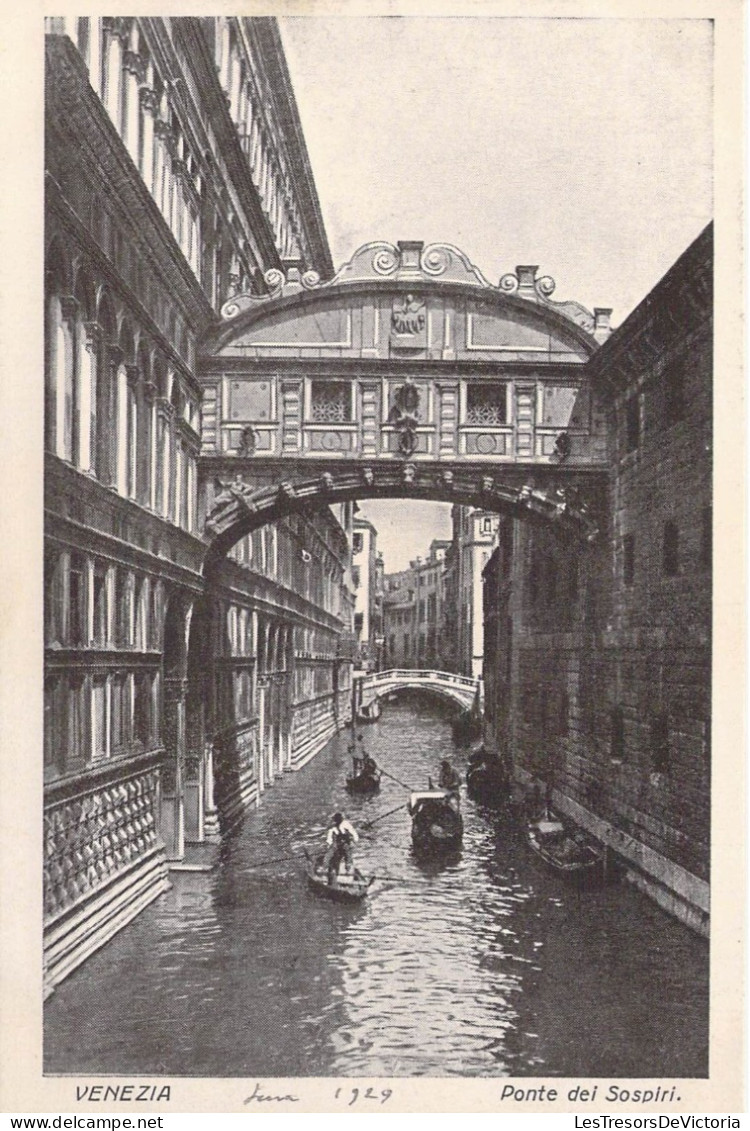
[330, 402]
[486, 404]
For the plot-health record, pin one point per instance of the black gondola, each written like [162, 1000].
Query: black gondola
[487, 779]
[436, 821]
[570, 853]
[364, 781]
[345, 887]
[467, 728]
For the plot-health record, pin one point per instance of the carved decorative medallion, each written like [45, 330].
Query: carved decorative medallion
[409, 323]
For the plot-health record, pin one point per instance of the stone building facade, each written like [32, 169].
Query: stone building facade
[474, 538]
[176, 175]
[414, 613]
[367, 577]
[598, 662]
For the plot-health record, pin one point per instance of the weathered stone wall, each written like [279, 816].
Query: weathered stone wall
[609, 697]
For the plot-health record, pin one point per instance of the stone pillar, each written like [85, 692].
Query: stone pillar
[64, 377]
[114, 32]
[149, 109]
[164, 416]
[88, 378]
[107, 410]
[145, 442]
[173, 769]
[211, 829]
[121, 431]
[134, 74]
[153, 480]
[525, 396]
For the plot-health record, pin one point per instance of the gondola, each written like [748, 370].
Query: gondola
[436, 821]
[486, 779]
[467, 728]
[571, 854]
[363, 782]
[345, 888]
[369, 712]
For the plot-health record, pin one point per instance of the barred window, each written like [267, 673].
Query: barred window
[330, 402]
[486, 404]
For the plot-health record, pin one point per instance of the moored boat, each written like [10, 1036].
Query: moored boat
[364, 782]
[487, 779]
[369, 712]
[436, 821]
[570, 853]
[345, 887]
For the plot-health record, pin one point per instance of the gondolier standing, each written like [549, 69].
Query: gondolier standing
[449, 778]
[340, 837]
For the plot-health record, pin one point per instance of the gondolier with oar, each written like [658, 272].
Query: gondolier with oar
[449, 778]
[340, 837]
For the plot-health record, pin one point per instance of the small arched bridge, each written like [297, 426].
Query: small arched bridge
[460, 689]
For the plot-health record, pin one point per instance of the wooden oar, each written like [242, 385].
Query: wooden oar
[368, 824]
[401, 783]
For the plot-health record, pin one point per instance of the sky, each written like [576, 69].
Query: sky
[580, 145]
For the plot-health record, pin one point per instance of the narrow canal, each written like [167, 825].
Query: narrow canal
[487, 966]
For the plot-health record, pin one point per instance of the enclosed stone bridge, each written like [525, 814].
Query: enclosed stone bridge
[406, 375]
[460, 689]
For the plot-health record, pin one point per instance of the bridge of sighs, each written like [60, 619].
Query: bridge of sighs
[406, 375]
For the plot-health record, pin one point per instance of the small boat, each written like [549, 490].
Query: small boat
[467, 728]
[487, 779]
[436, 821]
[369, 712]
[363, 782]
[346, 888]
[568, 852]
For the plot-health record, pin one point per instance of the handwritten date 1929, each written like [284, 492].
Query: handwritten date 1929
[353, 1096]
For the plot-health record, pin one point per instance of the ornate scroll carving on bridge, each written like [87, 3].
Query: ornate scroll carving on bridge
[234, 507]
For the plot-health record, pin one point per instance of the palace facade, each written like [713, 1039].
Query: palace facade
[176, 176]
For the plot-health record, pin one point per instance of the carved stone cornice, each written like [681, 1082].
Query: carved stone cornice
[69, 307]
[115, 355]
[165, 132]
[149, 100]
[165, 408]
[93, 333]
[135, 65]
[117, 26]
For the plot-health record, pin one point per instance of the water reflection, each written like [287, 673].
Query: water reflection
[477, 965]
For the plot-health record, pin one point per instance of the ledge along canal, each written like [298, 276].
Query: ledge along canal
[483, 966]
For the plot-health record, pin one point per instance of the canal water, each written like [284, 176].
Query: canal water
[484, 966]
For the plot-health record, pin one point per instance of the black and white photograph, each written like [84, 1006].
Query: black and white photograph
[379, 530]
